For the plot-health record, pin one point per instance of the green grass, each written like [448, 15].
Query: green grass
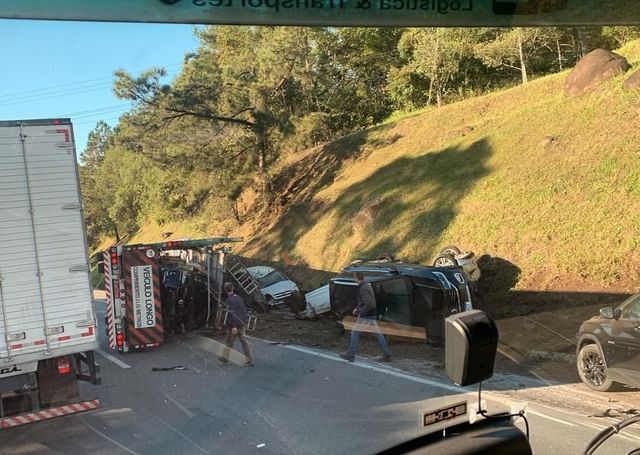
[475, 174]
[570, 209]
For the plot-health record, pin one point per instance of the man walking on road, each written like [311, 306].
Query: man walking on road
[366, 322]
[236, 325]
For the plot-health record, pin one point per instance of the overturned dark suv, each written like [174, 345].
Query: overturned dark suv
[406, 294]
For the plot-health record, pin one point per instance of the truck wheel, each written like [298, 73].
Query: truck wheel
[445, 260]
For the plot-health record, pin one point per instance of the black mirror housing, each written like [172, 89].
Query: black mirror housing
[471, 343]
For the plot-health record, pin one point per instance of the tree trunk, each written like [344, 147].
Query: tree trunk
[582, 45]
[560, 65]
[261, 146]
[115, 231]
[235, 208]
[523, 64]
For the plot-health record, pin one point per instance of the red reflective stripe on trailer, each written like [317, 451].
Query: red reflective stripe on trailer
[55, 412]
[111, 335]
[39, 342]
[64, 338]
[15, 346]
[65, 132]
[44, 414]
[88, 333]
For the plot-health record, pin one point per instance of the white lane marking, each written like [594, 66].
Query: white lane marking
[592, 425]
[627, 436]
[508, 356]
[190, 441]
[384, 370]
[409, 377]
[539, 377]
[503, 350]
[188, 413]
[112, 441]
[113, 359]
[544, 416]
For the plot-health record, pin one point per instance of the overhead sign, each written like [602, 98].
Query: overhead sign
[334, 12]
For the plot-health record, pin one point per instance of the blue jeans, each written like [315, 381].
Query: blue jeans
[364, 324]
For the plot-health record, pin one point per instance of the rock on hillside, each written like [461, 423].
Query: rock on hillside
[633, 81]
[597, 66]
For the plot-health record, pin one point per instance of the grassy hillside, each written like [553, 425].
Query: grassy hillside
[548, 183]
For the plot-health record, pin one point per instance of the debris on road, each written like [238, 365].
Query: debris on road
[176, 368]
[260, 446]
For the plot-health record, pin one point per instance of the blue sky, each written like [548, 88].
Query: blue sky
[53, 69]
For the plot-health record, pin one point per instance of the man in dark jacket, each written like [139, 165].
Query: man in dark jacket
[236, 325]
[367, 321]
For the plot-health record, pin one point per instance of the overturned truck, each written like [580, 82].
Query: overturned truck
[157, 289]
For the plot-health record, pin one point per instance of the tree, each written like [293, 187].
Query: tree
[355, 66]
[437, 56]
[96, 216]
[97, 142]
[513, 49]
[619, 36]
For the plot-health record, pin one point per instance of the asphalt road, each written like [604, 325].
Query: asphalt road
[294, 401]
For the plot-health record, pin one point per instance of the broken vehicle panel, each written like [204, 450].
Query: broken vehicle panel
[317, 302]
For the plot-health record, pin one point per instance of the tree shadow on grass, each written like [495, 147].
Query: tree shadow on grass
[420, 196]
[296, 185]
[301, 180]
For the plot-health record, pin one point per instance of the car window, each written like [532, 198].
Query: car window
[393, 304]
[631, 309]
[271, 278]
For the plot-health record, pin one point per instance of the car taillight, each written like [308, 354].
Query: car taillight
[64, 366]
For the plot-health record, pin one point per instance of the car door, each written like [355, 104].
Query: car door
[624, 342]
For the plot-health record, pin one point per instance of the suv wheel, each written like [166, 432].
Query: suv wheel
[450, 249]
[445, 260]
[593, 370]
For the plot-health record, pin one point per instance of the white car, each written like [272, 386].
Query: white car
[274, 285]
